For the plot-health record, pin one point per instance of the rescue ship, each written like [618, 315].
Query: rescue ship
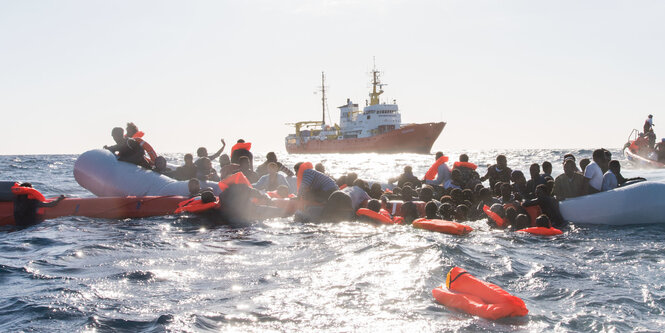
[377, 128]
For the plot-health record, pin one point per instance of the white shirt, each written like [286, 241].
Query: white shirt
[595, 175]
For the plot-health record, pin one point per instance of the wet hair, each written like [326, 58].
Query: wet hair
[467, 194]
[498, 209]
[207, 196]
[375, 191]
[522, 221]
[484, 193]
[446, 198]
[446, 211]
[543, 221]
[297, 166]
[430, 210]
[456, 194]
[461, 212]
[271, 157]
[202, 152]
[464, 158]
[374, 205]
[117, 131]
[409, 211]
[511, 215]
[320, 168]
[583, 163]
[547, 167]
[426, 194]
[438, 155]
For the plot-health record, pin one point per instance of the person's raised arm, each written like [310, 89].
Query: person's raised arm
[219, 152]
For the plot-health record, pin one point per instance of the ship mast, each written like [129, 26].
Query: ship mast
[323, 99]
[374, 95]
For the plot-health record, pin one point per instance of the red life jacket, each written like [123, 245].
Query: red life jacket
[446, 227]
[301, 170]
[236, 178]
[469, 165]
[500, 222]
[195, 205]
[29, 191]
[542, 231]
[241, 145]
[152, 155]
[374, 215]
[434, 169]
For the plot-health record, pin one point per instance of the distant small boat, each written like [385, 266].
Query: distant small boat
[636, 153]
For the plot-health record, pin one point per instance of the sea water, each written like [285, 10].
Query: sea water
[179, 273]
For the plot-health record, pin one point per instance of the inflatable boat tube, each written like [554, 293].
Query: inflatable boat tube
[468, 294]
[640, 203]
[446, 227]
[101, 173]
[642, 161]
[108, 208]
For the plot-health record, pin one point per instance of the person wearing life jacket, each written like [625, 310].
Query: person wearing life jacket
[499, 172]
[313, 185]
[242, 148]
[548, 205]
[271, 180]
[203, 152]
[543, 227]
[439, 173]
[133, 153]
[406, 177]
[271, 157]
[134, 133]
[27, 202]
[202, 203]
[470, 177]
[374, 213]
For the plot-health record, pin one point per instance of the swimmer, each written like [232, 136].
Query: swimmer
[431, 210]
[338, 208]
[461, 212]
[409, 211]
[543, 221]
[548, 205]
[446, 211]
[522, 222]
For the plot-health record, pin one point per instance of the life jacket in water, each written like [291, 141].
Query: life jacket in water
[533, 212]
[29, 191]
[542, 231]
[152, 155]
[434, 169]
[275, 195]
[241, 145]
[301, 170]
[469, 294]
[446, 227]
[236, 178]
[382, 216]
[469, 165]
[196, 205]
[500, 222]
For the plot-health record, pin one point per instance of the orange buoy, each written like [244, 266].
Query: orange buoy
[446, 227]
[236, 178]
[466, 293]
[542, 231]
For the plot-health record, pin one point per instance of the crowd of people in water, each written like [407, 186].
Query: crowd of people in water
[452, 193]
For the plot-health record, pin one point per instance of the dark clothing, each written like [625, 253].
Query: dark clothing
[495, 175]
[251, 175]
[133, 153]
[407, 178]
[25, 210]
[531, 185]
[262, 169]
[238, 153]
[228, 170]
[550, 207]
[469, 177]
[185, 172]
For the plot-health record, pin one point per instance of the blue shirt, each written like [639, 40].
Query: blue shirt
[443, 175]
[609, 181]
[313, 180]
[264, 182]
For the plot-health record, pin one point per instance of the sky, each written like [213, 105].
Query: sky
[502, 74]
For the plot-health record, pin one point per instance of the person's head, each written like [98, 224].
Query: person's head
[320, 168]
[271, 157]
[26, 184]
[409, 211]
[547, 168]
[204, 164]
[550, 186]
[341, 180]
[282, 191]
[518, 177]
[426, 194]
[477, 188]
[207, 196]
[117, 133]
[438, 155]
[240, 141]
[430, 210]
[374, 205]
[501, 161]
[408, 170]
[543, 221]
[407, 193]
[569, 167]
[202, 152]
[461, 212]
[224, 160]
[467, 195]
[297, 166]
[457, 195]
[541, 191]
[243, 161]
[505, 190]
[160, 163]
[456, 176]
[584, 163]
[650, 116]
[189, 159]
[615, 167]
[498, 209]
[598, 156]
[534, 170]
[350, 178]
[569, 156]
[194, 186]
[338, 208]
[376, 191]
[397, 190]
[464, 158]
[511, 215]
[497, 189]
[522, 221]
[446, 211]
[446, 198]
[484, 194]
[131, 129]
[272, 167]
[361, 183]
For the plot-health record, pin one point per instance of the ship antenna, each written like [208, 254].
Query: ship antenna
[323, 98]
[374, 95]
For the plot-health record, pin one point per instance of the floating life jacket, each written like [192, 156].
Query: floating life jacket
[195, 205]
[29, 191]
[382, 216]
[500, 222]
[434, 169]
[469, 294]
[241, 145]
[469, 165]
[542, 231]
[446, 227]
[274, 195]
[236, 178]
[301, 171]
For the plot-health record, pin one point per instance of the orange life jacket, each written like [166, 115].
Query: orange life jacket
[236, 178]
[375, 216]
[195, 205]
[446, 227]
[469, 294]
[469, 165]
[500, 222]
[542, 231]
[533, 212]
[274, 195]
[434, 169]
[241, 145]
[301, 171]
[29, 191]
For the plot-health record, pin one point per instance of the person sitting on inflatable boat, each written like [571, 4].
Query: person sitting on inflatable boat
[594, 171]
[127, 149]
[613, 178]
[27, 202]
[499, 172]
[570, 184]
[134, 133]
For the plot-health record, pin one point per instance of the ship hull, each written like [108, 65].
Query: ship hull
[414, 138]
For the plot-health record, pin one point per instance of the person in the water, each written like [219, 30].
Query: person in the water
[203, 152]
[470, 177]
[536, 178]
[314, 186]
[247, 170]
[271, 180]
[162, 168]
[241, 148]
[186, 171]
[26, 206]
[271, 157]
[226, 167]
[548, 205]
[499, 172]
[406, 177]
[205, 171]
[194, 187]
